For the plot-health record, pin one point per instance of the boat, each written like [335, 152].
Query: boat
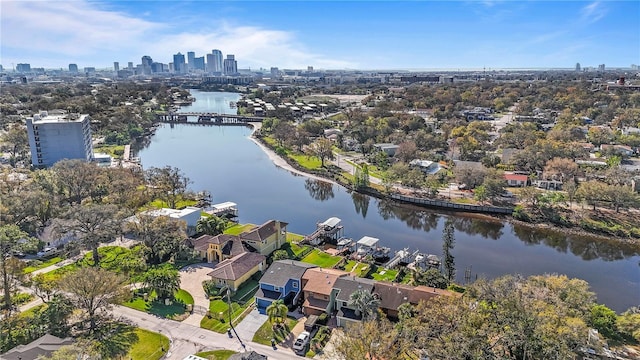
[368, 246]
[425, 261]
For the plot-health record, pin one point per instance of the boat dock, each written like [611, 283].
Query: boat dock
[227, 210]
[401, 256]
[328, 229]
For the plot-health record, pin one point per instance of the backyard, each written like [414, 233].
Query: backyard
[150, 346]
[321, 258]
[266, 332]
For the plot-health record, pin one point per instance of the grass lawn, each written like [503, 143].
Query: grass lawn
[116, 151]
[220, 325]
[321, 259]
[265, 333]
[184, 297]
[291, 237]
[307, 162]
[216, 354]
[357, 268]
[175, 311]
[238, 229]
[180, 203]
[246, 291]
[41, 265]
[382, 274]
[150, 346]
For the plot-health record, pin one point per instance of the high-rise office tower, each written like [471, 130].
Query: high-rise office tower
[230, 66]
[23, 67]
[130, 65]
[56, 137]
[216, 64]
[198, 63]
[116, 66]
[190, 60]
[601, 67]
[146, 64]
[73, 68]
[578, 67]
[275, 73]
[179, 65]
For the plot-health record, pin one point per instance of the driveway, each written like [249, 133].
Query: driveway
[250, 324]
[191, 278]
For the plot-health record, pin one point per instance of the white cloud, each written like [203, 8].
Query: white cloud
[79, 30]
[592, 12]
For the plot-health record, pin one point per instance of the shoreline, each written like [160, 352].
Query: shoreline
[575, 231]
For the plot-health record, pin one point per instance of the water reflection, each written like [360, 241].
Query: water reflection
[473, 226]
[361, 203]
[587, 248]
[319, 190]
[416, 219]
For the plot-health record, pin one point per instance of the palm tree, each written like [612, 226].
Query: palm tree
[212, 225]
[365, 303]
[277, 311]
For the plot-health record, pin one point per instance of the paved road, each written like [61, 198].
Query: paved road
[188, 339]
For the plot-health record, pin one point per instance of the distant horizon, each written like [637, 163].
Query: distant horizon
[325, 34]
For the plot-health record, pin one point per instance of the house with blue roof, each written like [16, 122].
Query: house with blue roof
[282, 280]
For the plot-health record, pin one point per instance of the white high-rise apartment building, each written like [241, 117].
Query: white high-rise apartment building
[56, 137]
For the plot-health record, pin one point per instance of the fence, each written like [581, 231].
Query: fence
[452, 206]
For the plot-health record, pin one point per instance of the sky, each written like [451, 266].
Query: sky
[362, 35]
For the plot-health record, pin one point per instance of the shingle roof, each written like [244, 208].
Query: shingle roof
[422, 292]
[282, 270]
[43, 346]
[321, 281]
[392, 295]
[237, 266]
[262, 232]
[348, 285]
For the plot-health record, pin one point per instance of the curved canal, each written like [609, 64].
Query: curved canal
[225, 162]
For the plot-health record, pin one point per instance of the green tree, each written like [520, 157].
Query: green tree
[604, 320]
[364, 303]
[480, 194]
[628, 323]
[429, 277]
[169, 183]
[280, 255]
[211, 225]
[75, 178]
[277, 311]
[94, 289]
[92, 224]
[370, 340]
[12, 240]
[161, 236]
[165, 280]
[322, 149]
[448, 242]
[15, 143]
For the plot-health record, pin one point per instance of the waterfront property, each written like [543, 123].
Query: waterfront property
[233, 272]
[282, 280]
[317, 286]
[328, 229]
[190, 215]
[344, 287]
[263, 239]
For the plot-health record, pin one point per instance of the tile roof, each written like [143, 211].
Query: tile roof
[237, 266]
[321, 281]
[516, 177]
[202, 242]
[279, 273]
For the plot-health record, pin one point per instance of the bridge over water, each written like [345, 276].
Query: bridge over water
[207, 118]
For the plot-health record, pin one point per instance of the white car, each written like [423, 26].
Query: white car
[301, 342]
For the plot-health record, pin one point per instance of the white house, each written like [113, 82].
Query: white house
[426, 166]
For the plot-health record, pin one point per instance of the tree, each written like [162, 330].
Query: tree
[361, 176]
[282, 131]
[628, 323]
[407, 151]
[211, 225]
[15, 143]
[322, 149]
[280, 255]
[75, 178]
[591, 192]
[81, 349]
[12, 240]
[471, 176]
[430, 277]
[55, 316]
[448, 243]
[165, 280]
[480, 194]
[373, 339]
[94, 289]
[561, 169]
[604, 320]
[277, 311]
[161, 236]
[494, 184]
[169, 183]
[365, 304]
[92, 224]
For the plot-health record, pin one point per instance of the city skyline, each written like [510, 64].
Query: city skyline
[325, 35]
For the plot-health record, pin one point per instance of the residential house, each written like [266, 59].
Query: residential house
[235, 271]
[267, 237]
[516, 179]
[263, 239]
[190, 215]
[344, 287]
[42, 346]
[218, 248]
[548, 184]
[389, 149]
[249, 355]
[392, 295]
[619, 149]
[282, 280]
[317, 285]
[426, 166]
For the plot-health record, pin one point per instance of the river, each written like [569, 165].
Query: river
[224, 161]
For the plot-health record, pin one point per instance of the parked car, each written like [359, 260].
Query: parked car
[301, 342]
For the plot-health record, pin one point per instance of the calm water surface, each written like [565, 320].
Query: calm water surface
[224, 161]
